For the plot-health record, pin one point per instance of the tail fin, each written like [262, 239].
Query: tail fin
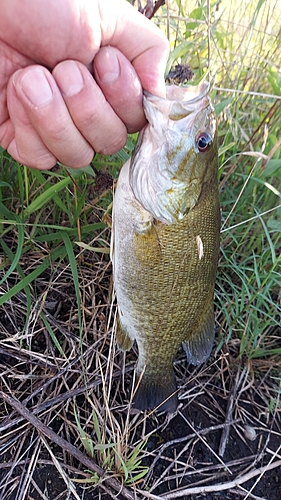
[152, 394]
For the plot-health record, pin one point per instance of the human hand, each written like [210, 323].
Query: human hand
[63, 113]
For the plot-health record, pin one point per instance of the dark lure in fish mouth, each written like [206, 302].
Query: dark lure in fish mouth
[165, 241]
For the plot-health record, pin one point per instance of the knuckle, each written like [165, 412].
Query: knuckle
[113, 145]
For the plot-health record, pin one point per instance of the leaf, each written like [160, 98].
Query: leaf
[136, 451]
[15, 260]
[45, 197]
[31, 276]
[21, 274]
[96, 424]
[274, 83]
[85, 230]
[123, 464]
[258, 7]
[255, 154]
[274, 224]
[105, 250]
[52, 334]
[76, 172]
[225, 148]
[191, 26]
[273, 167]
[87, 442]
[197, 14]
[73, 266]
[180, 7]
[222, 105]
[5, 184]
[138, 476]
[123, 155]
[179, 51]
[102, 447]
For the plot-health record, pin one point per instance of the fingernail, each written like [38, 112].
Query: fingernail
[69, 78]
[36, 87]
[107, 67]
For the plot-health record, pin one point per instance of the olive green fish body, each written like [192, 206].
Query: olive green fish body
[164, 275]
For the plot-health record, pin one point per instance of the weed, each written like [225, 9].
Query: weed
[112, 457]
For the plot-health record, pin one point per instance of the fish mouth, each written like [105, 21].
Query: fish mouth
[180, 102]
[182, 93]
[187, 93]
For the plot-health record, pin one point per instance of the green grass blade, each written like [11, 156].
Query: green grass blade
[17, 255]
[52, 334]
[45, 197]
[73, 266]
[54, 255]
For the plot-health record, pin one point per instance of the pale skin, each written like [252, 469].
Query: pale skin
[51, 107]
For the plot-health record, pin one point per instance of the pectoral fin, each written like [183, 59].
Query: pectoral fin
[147, 246]
[123, 340]
[199, 346]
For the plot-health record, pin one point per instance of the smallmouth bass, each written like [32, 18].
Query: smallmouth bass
[165, 240]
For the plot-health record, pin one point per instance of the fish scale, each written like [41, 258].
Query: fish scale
[164, 272]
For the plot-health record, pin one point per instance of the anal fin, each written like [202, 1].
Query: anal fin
[124, 341]
[199, 345]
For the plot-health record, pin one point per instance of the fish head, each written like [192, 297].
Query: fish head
[176, 152]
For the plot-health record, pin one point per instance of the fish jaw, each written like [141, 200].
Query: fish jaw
[163, 175]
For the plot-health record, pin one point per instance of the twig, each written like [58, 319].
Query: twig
[65, 445]
[246, 494]
[206, 444]
[150, 8]
[228, 416]
[214, 487]
[156, 6]
[59, 468]
[274, 453]
[267, 117]
[183, 439]
[268, 465]
[8, 422]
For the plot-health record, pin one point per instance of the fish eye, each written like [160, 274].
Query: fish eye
[203, 142]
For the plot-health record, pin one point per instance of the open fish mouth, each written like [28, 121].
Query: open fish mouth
[180, 100]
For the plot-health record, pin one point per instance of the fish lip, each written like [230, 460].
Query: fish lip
[180, 93]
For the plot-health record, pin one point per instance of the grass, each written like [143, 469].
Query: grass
[57, 353]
